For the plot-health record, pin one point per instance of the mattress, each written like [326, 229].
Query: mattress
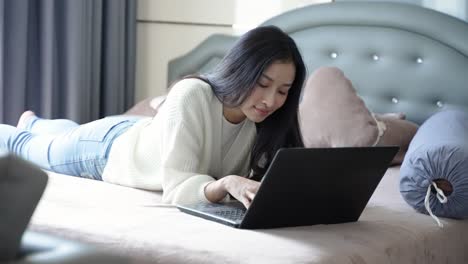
[134, 223]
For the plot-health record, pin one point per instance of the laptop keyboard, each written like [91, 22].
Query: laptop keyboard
[232, 214]
[233, 211]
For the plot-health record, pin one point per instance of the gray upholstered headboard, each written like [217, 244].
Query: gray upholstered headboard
[400, 57]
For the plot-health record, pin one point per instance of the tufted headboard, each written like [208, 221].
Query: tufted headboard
[400, 57]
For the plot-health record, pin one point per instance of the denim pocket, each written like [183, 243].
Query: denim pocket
[86, 168]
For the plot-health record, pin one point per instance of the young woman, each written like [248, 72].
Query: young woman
[214, 135]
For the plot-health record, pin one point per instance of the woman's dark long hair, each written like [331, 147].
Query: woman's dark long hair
[235, 77]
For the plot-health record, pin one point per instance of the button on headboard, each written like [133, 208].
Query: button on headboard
[400, 57]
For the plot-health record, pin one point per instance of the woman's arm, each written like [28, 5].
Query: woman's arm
[185, 143]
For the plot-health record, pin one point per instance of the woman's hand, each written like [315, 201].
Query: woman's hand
[241, 188]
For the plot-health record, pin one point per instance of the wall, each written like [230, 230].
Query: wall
[170, 28]
[456, 8]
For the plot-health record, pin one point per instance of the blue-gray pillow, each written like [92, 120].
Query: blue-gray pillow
[438, 154]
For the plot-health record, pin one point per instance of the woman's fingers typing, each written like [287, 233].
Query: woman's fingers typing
[242, 189]
[250, 194]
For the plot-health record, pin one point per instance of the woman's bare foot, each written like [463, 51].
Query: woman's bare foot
[23, 120]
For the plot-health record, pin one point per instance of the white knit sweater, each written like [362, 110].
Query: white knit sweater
[179, 150]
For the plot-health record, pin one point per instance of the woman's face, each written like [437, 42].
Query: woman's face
[269, 94]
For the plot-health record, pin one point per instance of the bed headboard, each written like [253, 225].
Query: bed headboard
[400, 57]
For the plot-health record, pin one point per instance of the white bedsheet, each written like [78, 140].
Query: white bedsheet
[132, 222]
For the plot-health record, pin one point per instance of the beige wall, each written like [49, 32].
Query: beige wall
[170, 28]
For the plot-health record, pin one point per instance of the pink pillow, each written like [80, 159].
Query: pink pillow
[333, 115]
[146, 107]
[399, 132]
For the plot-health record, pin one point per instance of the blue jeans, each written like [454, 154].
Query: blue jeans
[63, 146]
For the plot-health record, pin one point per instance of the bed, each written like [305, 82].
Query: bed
[400, 57]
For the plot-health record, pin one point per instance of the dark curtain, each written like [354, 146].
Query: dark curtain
[66, 58]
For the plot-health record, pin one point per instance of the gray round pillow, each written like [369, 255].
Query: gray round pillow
[434, 173]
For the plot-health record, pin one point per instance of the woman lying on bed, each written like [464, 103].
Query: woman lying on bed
[210, 133]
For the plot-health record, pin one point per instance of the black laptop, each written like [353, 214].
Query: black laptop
[307, 186]
[21, 186]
